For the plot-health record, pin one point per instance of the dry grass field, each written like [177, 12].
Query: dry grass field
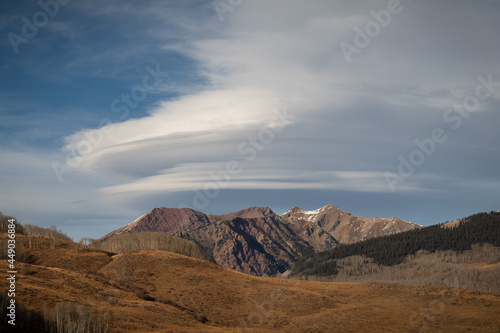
[158, 291]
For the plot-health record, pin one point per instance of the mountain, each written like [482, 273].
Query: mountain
[258, 241]
[326, 227]
[167, 220]
[254, 240]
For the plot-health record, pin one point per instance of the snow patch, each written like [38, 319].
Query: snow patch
[308, 212]
[317, 211]
[312, 212]
[132, 224]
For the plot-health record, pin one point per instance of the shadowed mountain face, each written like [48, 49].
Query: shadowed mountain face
[258, 241]
[260, 245]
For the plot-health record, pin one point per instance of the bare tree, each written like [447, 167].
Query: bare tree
[150, 241]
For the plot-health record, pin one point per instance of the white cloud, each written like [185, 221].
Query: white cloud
[267, 55]
[197, 176]
[253, 68]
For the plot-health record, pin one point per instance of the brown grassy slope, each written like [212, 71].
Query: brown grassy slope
[235, 302]
[58, 271]
[231, 299]
[53, 252]
[44, 287]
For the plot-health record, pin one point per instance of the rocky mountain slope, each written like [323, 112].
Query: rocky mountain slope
[324, 228]
[260, 245]
[167, 220]
[258, 241]
[253, 240]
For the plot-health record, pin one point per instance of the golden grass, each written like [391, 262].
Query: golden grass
[236, 302]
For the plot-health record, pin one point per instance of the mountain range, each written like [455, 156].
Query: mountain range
[257, 241]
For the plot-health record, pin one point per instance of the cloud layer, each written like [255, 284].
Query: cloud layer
[218, 85]
[290, 56]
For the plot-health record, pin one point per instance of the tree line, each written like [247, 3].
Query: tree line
[32, 230]
[64, 317]
[149, 241]
[393, 249]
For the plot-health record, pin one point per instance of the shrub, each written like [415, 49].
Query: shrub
[77, 318]
[167, 301]
[201, 318]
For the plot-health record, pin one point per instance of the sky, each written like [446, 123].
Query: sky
[381, 108]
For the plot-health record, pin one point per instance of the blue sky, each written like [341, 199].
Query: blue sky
[382, 108]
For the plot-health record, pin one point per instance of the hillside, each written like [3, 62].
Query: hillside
[158, 291]
[396, 249]
[258, 241]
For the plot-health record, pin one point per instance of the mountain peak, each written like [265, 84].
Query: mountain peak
[248, 213]
[299, 211]
[293, 210]
[166, 220]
